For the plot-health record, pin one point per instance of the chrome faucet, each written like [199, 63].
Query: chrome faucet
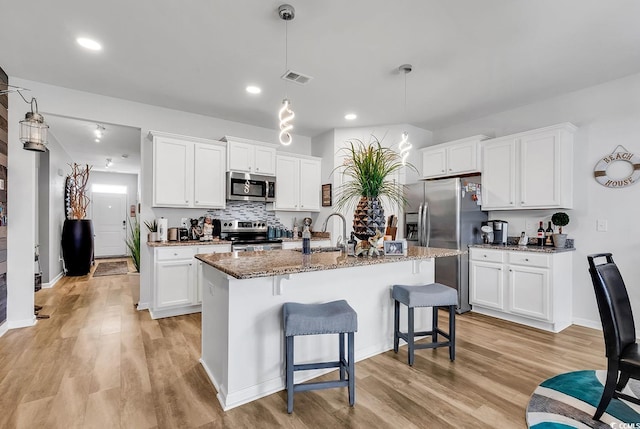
[344, 230]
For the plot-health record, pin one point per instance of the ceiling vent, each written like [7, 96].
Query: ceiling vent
[296, 77]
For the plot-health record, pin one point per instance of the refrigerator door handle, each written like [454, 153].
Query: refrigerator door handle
[427, 223]
[420, 225]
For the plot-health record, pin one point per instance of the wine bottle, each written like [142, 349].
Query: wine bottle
[540, 235]
[548, 240]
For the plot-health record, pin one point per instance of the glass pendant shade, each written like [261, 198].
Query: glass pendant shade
[33, 132]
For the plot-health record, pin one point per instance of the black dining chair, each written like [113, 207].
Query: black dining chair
[623, 357]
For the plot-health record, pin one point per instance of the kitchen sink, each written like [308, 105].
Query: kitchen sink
[322, 249]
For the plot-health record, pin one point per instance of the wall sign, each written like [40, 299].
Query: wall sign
[600, 170]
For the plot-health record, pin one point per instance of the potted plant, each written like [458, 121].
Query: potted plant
[560, 219]
[133, 242]
[368, 168]
[152, 226]
[77, 231]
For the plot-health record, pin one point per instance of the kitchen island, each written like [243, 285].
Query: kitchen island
[242, 340]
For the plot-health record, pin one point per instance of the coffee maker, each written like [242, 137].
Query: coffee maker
[500, 231]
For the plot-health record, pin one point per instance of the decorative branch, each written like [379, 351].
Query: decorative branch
[79, 201]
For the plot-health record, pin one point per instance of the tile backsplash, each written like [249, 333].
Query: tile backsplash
[246, 210]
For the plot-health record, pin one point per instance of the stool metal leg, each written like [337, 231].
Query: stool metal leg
[352, 370]
[289, 376]
[410, 336]
[452, 333]
[341, 359]
[396, 325]
[434, 324]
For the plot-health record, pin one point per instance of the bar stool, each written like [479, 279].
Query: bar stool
[432, 295]
[335, 317]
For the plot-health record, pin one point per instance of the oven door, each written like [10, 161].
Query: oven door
[250, 187]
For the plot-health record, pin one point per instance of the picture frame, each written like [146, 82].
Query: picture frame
[326, 195]
[395, 248]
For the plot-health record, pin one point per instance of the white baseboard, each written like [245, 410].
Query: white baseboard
[178, 311]
[53, 282]
[143, 305]
[3, 328]
[594, 324]
[14, 324]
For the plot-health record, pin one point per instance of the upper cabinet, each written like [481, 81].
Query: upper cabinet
[452, 158]
[298, 183]
[250, 156]
[187, 171]
[530, 170]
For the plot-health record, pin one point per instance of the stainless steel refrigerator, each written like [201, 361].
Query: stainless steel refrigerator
[445, 213]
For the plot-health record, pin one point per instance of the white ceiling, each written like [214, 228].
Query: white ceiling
[471, 58]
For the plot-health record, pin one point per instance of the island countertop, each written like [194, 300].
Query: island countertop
[248, 265]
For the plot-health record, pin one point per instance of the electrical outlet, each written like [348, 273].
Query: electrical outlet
[601, 225]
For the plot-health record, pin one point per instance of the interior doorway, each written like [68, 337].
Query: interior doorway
[109, 216]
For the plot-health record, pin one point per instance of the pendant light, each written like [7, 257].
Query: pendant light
[33, 128]
[285, 114]
[404, 146]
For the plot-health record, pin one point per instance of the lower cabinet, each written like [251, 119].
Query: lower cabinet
[177, 279]
[532, 288]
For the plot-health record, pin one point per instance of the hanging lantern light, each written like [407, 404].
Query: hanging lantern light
[33, 129]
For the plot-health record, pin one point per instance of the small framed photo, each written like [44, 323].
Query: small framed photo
[394, 248]
[326, 195]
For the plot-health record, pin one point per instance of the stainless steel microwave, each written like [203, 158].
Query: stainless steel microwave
[250, 187]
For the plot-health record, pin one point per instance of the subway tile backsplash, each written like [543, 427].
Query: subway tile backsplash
[246, 210]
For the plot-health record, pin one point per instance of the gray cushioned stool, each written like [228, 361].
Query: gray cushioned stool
[432, 295]
[335, 317]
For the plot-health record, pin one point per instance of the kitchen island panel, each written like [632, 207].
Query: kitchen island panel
[243, 344]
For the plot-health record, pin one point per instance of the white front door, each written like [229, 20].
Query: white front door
[109, 216]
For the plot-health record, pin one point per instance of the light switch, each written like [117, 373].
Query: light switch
[601, 225]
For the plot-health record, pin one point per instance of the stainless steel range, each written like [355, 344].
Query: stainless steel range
[248, 235]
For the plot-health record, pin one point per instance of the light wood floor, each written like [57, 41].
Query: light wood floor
[98, 362]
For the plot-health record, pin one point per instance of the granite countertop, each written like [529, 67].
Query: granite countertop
[529, 248]
[248, 265]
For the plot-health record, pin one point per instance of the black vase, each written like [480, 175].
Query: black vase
[77, 246]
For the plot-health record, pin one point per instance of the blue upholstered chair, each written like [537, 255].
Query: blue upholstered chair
[335, 317]
[432, 295]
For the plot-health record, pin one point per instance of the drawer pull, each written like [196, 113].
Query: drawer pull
[526, 259]
[484, 256]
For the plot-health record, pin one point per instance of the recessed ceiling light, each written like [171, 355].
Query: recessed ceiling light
[89, 44]
[252, 89]
[350, 116]
[97, 140]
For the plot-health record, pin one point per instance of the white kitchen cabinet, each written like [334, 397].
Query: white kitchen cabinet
[177, 279]
[174, 284]
[250, 157]
[488, 281]
[452, 158]
[531, 170]
[298, 183]
[532, 288]
[188, 172]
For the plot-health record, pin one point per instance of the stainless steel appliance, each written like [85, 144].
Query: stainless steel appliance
[250, 187]
[444, 213]
[500, 230]
[248, 235]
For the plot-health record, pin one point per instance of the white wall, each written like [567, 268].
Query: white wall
[607, 116]
[59, 161]
[79, 104]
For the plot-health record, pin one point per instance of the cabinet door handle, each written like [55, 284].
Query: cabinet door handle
[510, 271]
[442, 171]
[301, 205]
[197, 201]
[484, 256]
[175, 254]
[526, 259]
[451, 169]
[257, 169]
